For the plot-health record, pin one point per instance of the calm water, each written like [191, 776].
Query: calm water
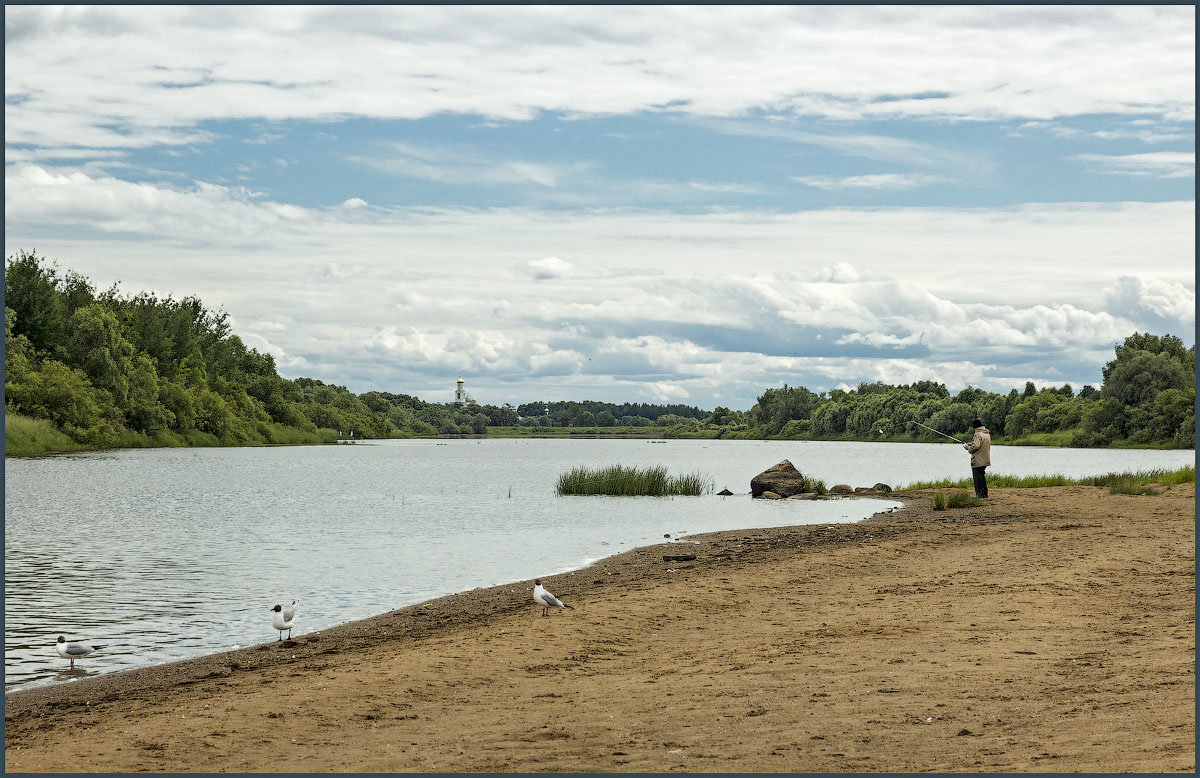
[172, 553]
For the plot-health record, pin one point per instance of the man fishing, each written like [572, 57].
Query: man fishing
[980, 449]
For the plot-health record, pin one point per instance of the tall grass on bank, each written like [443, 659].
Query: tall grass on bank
[1116, 482]
[26, 437]
[622, 481]
[955, 499]
[29, 437]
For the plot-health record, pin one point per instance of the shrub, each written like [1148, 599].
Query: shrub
[1131, 486]
[956, 499]
[961, 499]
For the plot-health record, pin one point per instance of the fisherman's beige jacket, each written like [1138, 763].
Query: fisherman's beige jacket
[981, 448]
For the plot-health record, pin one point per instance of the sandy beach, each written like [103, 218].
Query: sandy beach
[1048, 630]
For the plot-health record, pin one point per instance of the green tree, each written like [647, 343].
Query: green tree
[1172, 412]
[98, 348]
[954, 419]
[31, 291]
[19, 357]
[1136, 377]
[65, 397]
[146, 412]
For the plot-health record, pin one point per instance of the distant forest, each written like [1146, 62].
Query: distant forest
[111, 370]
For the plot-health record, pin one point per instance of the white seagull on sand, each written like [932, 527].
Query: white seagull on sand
[283, 618]
[74, 651]
[546, 599]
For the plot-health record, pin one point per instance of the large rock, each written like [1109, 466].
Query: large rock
[842, 489]
[783, 479]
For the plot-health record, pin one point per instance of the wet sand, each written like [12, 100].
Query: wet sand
[1048, 630]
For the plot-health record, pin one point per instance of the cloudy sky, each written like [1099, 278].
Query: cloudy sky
[644, 204]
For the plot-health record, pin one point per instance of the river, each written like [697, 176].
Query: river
[165, 554]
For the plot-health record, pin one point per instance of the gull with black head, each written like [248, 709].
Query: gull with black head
[73, 650]
[546, 599]
[283, 618]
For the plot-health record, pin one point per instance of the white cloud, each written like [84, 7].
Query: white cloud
[884, 181]
[841, 273]
[117, 77]
[1031, 253]
[335, 270]
[546, 268]
[1157, 164]
[1144, 130]
[13, 156]
[464, 165]
[204, 212]
[1154, 304]
[876, 147]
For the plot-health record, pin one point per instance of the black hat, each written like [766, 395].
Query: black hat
[976, 423]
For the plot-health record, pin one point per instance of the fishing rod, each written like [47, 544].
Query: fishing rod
[931, 429]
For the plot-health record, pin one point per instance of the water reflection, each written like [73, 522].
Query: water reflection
[166, 554]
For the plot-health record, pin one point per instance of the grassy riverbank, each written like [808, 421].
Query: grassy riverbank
[1157, 477]
[26, 437]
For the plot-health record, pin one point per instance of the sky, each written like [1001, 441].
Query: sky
[663, 204]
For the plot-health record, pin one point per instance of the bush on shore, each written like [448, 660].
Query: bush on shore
[956, 499]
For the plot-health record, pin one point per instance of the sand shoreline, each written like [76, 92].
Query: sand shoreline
[785, 649]
[414, 620]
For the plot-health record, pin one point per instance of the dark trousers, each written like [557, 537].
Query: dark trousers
[980, 481]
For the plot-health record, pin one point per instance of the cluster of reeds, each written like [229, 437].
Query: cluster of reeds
[624, 481]
[956, 499]
[1131, 486]
[1123, 480]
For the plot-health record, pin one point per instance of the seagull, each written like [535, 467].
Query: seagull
[73, 651]
[546, 599]
[283, 618]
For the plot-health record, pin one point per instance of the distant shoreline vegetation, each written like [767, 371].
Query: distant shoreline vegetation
[88, 369]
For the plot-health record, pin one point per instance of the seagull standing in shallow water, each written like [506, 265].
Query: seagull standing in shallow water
[546, 599]
[73, 651]
[283, 618]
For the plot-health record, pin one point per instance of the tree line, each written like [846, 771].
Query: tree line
[109, 369]
[1147, 397]
[593, 413]
[119, 370]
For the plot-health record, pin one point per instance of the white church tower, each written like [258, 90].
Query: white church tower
[460, 395]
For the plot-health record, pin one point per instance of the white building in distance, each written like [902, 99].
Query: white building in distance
[460, 395]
